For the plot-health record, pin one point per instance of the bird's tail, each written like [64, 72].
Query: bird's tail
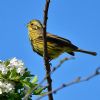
[88, 52]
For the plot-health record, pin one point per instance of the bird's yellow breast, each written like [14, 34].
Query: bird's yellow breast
[37, 44]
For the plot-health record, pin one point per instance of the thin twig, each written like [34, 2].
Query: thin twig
[45, 55]
[46, 60]
[55, 68]
[52, 71]
[75, 81]
[60, 63]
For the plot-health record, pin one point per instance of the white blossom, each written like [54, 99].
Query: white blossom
[21, 70]
[0, 91]
[15, 62]
[6, 87]
[3, 69]
[18, 64]
[9, 87]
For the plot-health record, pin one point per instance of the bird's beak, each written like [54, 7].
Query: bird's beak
[27, 25]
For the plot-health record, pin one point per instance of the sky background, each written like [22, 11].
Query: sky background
[76, 20]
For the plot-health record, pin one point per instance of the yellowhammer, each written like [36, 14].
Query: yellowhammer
[56, 45]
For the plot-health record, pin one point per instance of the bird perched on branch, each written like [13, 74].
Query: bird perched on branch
[55, 45]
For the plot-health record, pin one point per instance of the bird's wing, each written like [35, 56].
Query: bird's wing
[58, 38]
[59, 41]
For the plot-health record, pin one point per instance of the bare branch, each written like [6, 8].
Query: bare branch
[75, 81]
[60, 63]
[45, 55]
[46, 60]
[53, 70]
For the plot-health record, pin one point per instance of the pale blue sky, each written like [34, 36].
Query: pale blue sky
[77, 20]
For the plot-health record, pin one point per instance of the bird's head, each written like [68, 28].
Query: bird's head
[34, 25]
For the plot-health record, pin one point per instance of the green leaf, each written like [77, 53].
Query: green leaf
[26, 83]
[38, 91]
[7, 62]
[35, 79]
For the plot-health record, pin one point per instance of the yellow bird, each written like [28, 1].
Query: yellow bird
[56, 45]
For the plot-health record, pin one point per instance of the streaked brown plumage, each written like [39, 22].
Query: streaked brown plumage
[56, 45]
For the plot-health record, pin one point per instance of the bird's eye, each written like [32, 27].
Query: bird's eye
[31, 23]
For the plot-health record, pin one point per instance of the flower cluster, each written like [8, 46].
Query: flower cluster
[6, 87]
[16, 80]
[13, 64]
[8, 67]
[18, 65]
[3, 69]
